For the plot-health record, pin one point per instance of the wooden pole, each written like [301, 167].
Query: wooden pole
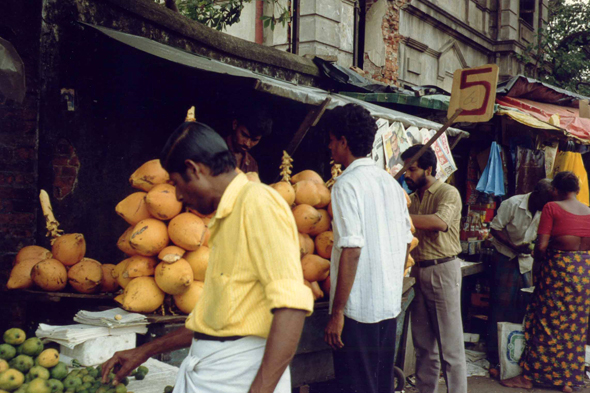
[428, 144]
[311, 119]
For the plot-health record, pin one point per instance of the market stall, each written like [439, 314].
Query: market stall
[123, 98]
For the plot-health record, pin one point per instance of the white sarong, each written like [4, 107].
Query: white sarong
[224, 367]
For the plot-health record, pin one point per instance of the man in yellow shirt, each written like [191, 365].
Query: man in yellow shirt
[245, 328]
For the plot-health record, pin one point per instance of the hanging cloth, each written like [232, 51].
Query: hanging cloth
[492, 178]
[529, 169]
[570, 161]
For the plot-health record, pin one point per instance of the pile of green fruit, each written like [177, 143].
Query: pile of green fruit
[26, 367]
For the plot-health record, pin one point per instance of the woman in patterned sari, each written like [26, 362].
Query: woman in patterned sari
[557, 318]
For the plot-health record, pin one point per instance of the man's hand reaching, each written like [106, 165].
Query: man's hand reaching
[123, 363]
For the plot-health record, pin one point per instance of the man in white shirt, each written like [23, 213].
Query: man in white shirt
[371, 242]
[513, 229]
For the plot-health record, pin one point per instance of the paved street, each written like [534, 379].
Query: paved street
[476, 385]
[487, 385]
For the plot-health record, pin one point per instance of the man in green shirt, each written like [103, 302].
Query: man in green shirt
[436, 310]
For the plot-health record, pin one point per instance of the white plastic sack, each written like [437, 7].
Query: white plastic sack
[511, 345]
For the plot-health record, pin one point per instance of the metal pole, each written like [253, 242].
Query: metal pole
[428, 144]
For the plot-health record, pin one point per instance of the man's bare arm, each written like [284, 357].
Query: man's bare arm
[285, 331]
[124, 362]
[349, 261]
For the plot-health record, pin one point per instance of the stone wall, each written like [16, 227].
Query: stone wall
[443, 35]
[19, 137]
[382, 40]
[327, 29]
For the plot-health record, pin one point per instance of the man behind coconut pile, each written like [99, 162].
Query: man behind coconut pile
[245, 328]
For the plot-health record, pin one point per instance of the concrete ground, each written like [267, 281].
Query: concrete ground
[488, 385]
[475, 385]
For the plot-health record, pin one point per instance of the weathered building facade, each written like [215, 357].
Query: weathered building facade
[325, 28]
[440, 36]
[412, 42]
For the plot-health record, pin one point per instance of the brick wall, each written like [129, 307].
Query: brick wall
[20, 25]
[390, 26]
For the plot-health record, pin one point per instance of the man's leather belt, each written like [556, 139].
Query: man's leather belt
[202, 336]
[433, 262]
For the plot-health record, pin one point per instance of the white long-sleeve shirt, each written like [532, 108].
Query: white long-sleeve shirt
[370, 213]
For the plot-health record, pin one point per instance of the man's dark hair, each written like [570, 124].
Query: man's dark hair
[543, 186]
[199, 143]
[566, 182]
[256, 119]
[356, 124]
[428, 159]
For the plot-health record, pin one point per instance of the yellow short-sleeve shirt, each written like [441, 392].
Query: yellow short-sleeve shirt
[254, 264]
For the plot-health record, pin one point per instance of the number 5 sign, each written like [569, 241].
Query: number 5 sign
[474, 91]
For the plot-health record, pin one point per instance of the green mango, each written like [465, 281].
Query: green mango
[56, 386]
[7, 351]
[39, 385]
[94, 373]
[59, 371]
[22, 363]
[39, 372]
[143, 369]
[32, 347]
[72, 382]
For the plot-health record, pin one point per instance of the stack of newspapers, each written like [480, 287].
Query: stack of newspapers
[114, 322]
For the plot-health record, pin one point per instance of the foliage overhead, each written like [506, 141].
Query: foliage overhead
[561, 53]
[221, 14]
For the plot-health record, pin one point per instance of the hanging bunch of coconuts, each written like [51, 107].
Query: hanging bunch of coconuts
[36, 267]
[311, 204]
